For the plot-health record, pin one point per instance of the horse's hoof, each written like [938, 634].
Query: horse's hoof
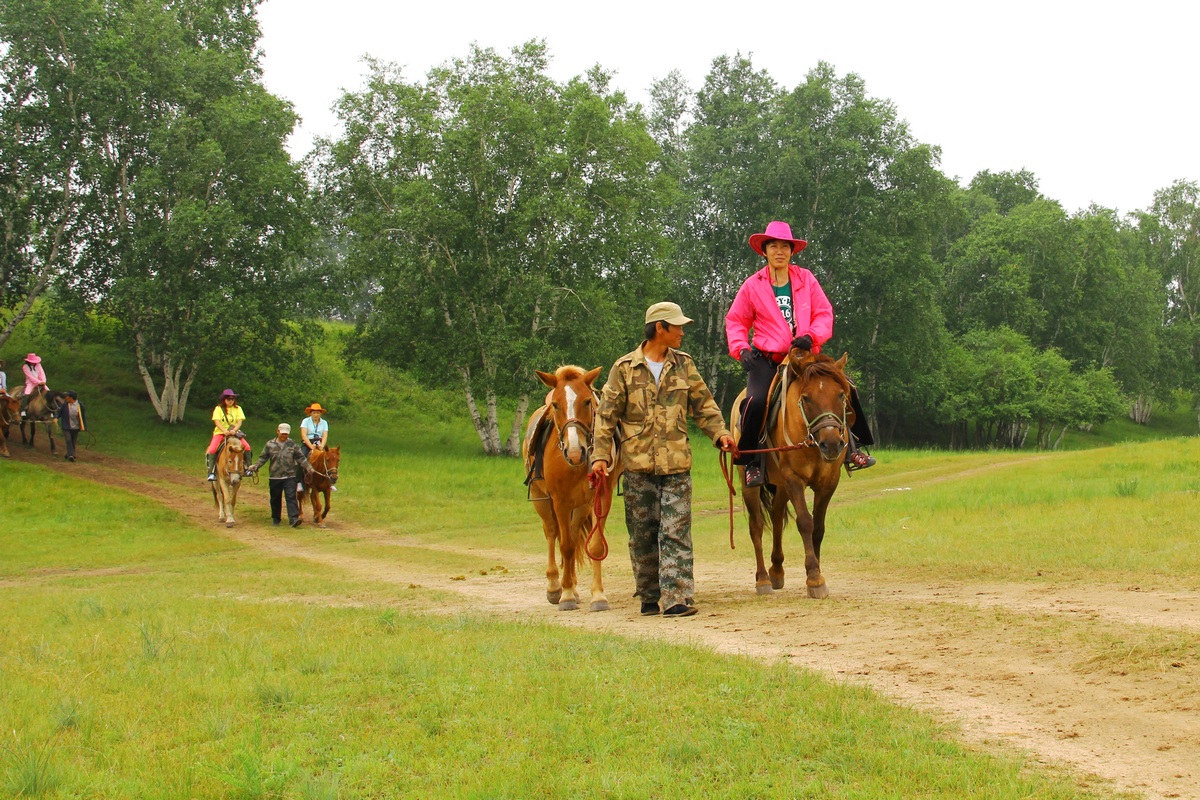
[764, 589]
[818, 592]
[553, 597]
[568, 605]
[229, 524]
[776, 581]
[600, 605]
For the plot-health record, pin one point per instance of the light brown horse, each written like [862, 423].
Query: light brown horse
[562, 495]
[231, 463]
[813, 428]
[10, 412]
[323, 477]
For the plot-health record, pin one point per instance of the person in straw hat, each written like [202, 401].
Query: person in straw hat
[645, 404]
[785, 307]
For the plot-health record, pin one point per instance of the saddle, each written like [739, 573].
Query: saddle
[536, 433]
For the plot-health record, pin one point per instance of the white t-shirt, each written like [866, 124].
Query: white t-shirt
[656, 368]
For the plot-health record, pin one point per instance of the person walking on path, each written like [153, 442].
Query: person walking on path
[287, 459]
[644, 406]
[70, 419]
[785, 307]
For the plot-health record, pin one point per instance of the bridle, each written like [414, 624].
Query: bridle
[585, 431]
[329, 472]
[229, 455]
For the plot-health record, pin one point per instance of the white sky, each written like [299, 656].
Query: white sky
[1098, 99]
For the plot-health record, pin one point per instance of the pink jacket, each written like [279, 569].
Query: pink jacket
[755, 307]
[34, 377]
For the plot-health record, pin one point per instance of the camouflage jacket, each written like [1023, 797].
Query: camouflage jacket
[287, 459]
[651, 421]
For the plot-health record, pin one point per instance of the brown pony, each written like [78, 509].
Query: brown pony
[813, 427]
[561, 494]
[323, 477]
[10, 412]
[231, 463]
[40, 407]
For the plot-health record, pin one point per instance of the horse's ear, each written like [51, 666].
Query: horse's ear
[547, 378]
[590, 376]
[841, 362]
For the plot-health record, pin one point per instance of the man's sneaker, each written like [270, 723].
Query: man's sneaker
[754, 475]
[649, 609]
[680, 610]
[333, 488]
[297, 523]
[859, 460]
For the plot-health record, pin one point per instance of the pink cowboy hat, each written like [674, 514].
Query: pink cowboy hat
[776, 230]
[33, 358]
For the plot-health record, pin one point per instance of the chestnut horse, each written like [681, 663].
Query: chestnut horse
[10, 412]
[561, 494]
[323, 477]
[812, 429]
[231, 463]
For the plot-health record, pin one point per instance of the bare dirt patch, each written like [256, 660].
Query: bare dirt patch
[1009, 664]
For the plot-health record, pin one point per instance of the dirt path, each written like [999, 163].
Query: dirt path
[1008, 663]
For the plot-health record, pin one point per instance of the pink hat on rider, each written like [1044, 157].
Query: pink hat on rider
[33, 358]
[228, 393]
[779, 231]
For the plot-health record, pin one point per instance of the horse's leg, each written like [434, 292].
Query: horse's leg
[545, 509]
[752, 500]
[804, 523]
[325, 510]
[50, 436]
[778, 520]
[230, 504]
[32, 430]
[567, 525]
[595, 553]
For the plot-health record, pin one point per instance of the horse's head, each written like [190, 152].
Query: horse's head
[332, 456]
[822, 393]
[234, 459]
[572, 404]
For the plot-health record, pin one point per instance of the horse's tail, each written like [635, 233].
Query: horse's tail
[767, 492]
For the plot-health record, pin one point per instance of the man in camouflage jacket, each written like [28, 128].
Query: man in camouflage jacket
[287, 460]
[645, 405]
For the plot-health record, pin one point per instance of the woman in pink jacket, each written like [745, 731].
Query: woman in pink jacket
[785, 307]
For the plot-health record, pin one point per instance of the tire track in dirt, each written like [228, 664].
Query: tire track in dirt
[975, 655]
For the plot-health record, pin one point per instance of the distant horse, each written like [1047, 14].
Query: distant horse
[231, 463]
[321, 480]
[561, 432]
[10, 412]
[811, 429]
[40, 407]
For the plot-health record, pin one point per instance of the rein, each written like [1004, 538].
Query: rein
[574, 422]
[600, 511]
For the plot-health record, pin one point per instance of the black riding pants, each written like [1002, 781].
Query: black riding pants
[758, 384]
[281, 489]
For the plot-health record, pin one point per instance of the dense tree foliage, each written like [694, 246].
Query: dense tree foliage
[164, 196]
[489, 220]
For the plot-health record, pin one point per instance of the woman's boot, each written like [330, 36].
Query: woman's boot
[210, 460]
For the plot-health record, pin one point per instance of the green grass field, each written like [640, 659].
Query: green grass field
[146, 656]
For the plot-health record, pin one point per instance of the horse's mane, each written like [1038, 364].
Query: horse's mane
[569, 372]
[820, 366]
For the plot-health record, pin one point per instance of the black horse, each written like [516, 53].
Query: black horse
[41, 406]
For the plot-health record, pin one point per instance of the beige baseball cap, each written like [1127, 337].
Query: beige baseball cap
[285, 428]
[669, 313]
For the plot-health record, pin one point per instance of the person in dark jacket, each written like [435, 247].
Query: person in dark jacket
[287, 459]
[70, 419]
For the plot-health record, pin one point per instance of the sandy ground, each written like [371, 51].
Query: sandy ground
[1006, 664]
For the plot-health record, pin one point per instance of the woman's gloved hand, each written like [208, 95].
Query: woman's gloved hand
[804, 342]
[747, 358]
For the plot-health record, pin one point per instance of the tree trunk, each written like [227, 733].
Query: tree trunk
[513, 448]
[473, 409]
[1142, 408]
[171, 402]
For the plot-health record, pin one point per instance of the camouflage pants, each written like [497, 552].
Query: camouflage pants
[658, 514]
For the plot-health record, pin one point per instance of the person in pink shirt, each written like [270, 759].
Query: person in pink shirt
[784, 306]
[35, 379]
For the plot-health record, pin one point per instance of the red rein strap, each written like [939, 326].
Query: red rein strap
[601, 504]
